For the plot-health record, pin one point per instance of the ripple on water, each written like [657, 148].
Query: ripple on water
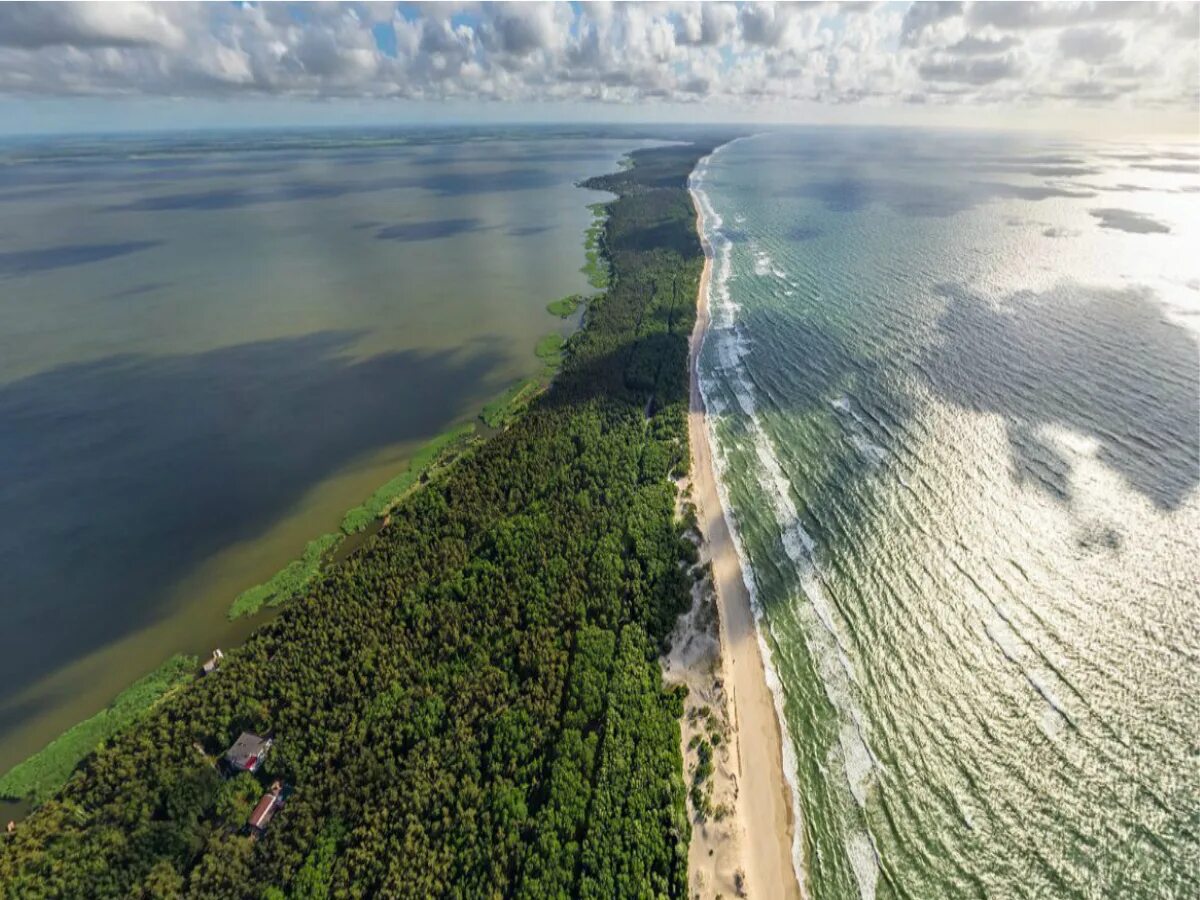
[961, 459]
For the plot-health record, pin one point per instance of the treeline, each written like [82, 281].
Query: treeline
[42, 774]
[470, 705]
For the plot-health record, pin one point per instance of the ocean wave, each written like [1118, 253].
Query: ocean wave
[823, 634]
[717, 292]
[964, 563]
[859, 432]
[864, 862]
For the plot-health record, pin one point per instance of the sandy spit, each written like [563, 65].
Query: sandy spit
[743, 846]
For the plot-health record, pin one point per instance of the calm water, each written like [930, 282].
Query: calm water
[956, 386]
[211, 347]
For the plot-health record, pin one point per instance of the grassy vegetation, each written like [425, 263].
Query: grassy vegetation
[504, 410]
[289, 581]
[565, 307]
[596, 266]
[48, 770]
[298, 575]
[549, 350]
[394, 490]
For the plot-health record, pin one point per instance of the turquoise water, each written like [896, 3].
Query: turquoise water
[213, 345]
[955, 394]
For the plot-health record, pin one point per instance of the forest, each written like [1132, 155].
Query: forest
[470, 705]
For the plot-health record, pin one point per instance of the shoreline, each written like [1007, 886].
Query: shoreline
[614, 810]
[244, 613]
[764, 818]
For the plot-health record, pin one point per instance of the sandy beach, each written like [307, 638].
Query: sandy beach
[749, 851]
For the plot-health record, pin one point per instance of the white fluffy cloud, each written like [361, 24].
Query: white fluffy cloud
[1140, 55]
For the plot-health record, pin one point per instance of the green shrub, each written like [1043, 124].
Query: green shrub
[290, 581]
[46, 771]
[565, 307]
[502, 411]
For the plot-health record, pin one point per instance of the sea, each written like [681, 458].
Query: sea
[953, 384]
[214, 344]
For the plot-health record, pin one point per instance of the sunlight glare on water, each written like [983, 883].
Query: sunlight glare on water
[955, 389]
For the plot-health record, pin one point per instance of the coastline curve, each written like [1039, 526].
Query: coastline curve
[769, 808]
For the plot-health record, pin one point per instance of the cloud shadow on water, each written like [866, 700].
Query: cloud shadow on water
[527, 230]
[137, 290]
[530, 152]
[1100, 362]
[217, 198]
[443, 184]
[124, 475]
[46, 259]
[457, 184]
[1129, 221]
[407, 232]
[929, 200]
[1175, 168]
[800, 234]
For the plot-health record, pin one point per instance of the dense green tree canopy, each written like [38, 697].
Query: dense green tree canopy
[470, 705]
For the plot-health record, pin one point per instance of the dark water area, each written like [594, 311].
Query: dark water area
[955, 393]
[212, 346]
[150, 465]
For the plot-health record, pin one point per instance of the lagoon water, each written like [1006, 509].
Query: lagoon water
[954, 386]
[211, 346]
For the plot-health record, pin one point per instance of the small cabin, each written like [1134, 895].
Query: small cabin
[213, 662]
[247, 752]
[266, 808]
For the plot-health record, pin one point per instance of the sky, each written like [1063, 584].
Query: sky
[1117, 67]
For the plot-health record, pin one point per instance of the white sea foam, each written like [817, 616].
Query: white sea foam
[998, 627]
[790, 760]
[859, 432]
[864, 861]
[821, 625]
[857, 760]
[1052, 723]
[718, 294]
[868, 450]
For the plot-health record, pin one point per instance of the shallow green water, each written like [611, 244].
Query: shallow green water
[212, 346]
[955, 386]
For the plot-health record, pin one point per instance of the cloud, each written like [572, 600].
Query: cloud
[974, 46]
[970, 71]
[766, 24]
[36, 25]
[1019, 55]
[1024, 15]
[921, 16]
[520, 29]
[706, 24]
[1091, 45]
